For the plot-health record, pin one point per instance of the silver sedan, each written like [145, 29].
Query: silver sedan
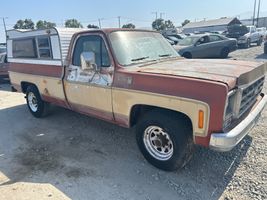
[206, 46]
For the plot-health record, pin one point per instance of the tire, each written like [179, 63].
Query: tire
[259, 42]
[158, 127]
[225, 52]
[248, 44]
[187, 55]
[36, 105]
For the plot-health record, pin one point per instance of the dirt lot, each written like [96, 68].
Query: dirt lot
[71, 156]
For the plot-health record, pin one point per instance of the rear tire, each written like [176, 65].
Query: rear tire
[225, 52]
[187, 55]
[36, 105]
[165, 139]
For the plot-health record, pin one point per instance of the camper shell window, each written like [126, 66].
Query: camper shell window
[24, 48]
[36, 47]
[44, 47]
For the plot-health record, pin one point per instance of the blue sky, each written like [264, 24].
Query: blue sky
[138, 12]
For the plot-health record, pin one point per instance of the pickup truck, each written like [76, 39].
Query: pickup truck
[253, 36]
[134, 78]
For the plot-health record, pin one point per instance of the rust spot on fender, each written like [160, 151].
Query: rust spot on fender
[46, 91]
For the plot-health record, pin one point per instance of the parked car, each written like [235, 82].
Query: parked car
[172, 40]
[245, 35]
[265, 47]
[263, 32]
[175, 38]
[2, 49]
[206, 46]
[134, 78]
[3, 67]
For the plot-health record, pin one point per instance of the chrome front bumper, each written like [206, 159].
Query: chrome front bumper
[227, 141]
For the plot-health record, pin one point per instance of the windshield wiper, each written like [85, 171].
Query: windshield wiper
[165, 55]
[138, 59]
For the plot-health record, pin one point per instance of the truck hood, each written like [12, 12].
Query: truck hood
[230, 72]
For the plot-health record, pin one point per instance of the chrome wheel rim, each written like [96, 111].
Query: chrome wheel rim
[32, 100]
[158, 143]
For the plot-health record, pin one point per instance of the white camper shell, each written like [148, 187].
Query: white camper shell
[47, 46]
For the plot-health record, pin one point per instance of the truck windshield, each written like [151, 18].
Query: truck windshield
[133, 47]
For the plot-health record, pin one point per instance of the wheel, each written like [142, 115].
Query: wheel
[165, 139]
[225, 52]
[259, 42]
[248, 44]
[187, 55]
[36, 105]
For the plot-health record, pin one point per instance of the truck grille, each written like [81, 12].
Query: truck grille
[249, 95]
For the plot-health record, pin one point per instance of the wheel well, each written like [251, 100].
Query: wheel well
[138, 111]
[25, 85]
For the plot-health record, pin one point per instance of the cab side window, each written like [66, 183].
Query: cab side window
[215, 38]
[91, 43]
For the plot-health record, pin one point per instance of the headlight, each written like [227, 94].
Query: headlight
[229, 109]
[242, 38]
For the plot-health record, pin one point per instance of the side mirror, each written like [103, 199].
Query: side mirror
[88, 61]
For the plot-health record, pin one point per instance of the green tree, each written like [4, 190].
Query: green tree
[169, 24]
[92, 26]
[158, 25]
[130, 25]
[185, 22]
[44, 24]
[24, 24]
[73, 23]
[161, 24]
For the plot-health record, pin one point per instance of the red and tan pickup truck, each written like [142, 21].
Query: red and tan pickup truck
[134, 78]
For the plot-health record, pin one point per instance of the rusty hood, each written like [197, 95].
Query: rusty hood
[230, 72]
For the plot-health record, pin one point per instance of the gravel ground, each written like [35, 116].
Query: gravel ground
[71, 156]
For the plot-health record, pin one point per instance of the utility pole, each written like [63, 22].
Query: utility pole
[99, 23]
[254, 12]
[258, 16]
[119, 19]
[4, 22]
[161, 14]
[156, 13]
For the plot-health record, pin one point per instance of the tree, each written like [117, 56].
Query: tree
[185, 22]
[130, 25]
[92, 26]
[44, 24]
[169, 24]
[24, 24]
[73, 23]
[161, 24]
[158, 25]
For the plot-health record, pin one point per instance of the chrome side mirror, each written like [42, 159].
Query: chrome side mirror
[88, 61]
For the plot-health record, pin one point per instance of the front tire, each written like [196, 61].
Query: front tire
[225, 52]
[36, 105]
[165, 139]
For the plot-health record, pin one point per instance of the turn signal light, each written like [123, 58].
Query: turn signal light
[201, 119]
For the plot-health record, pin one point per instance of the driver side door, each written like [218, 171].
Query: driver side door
[89, 91]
